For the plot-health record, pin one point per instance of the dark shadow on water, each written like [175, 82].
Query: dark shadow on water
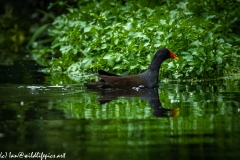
[149, 95]
[22, 72]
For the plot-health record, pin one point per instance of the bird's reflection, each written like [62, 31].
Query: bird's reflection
[150, 95]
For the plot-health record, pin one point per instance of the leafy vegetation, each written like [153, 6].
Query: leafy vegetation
[18, 22]
[123, 37]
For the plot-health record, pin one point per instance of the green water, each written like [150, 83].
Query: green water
[195, 121]
[177, 121]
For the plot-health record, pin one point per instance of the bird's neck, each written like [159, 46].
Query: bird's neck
[151, 74]
[155, 64]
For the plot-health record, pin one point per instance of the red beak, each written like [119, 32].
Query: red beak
[173, 56]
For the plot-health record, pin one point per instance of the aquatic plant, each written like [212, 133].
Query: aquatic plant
[123, 37]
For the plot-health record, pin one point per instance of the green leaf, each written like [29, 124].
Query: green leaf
[163, 21]
[103, 46]
[188, 13]
[46, 13]
[157, 45]
[86, 51]
[74, 51]
[107, 56]
[143, 67]
[220, 52]
[116, 41]
[211, 16]
[87, 29]
[65, 49]
[219, 60]
[139, 34]
[118, 66]
[146, 44]
[127, 26]
[188, 58]
[196, 43]
[111, 62]
[36, 35]
[150, 28]
[134, 66]
[118, 58]
[86, 62]
[185, 53]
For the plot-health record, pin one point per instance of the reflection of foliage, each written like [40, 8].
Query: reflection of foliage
[195, 100]
[119, 38]
[67, 119]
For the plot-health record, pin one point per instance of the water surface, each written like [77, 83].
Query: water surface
[179, 120]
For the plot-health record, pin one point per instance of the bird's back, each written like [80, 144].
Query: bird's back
[122, 81]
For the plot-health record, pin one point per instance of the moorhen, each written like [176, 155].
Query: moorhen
[147, 79]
